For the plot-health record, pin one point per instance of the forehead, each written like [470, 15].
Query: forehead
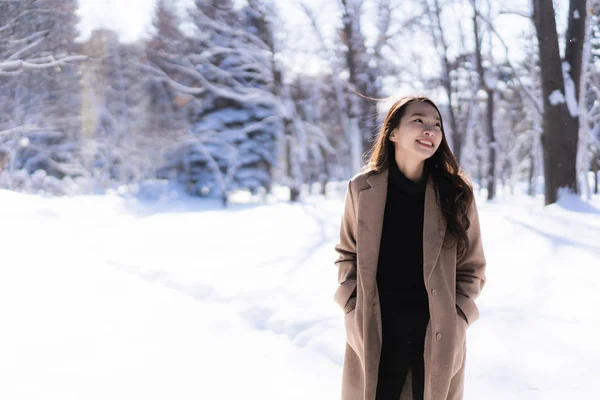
[423, 109]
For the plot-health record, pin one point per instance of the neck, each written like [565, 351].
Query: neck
[411, 169]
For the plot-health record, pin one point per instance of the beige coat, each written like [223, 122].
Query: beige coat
[450, 283]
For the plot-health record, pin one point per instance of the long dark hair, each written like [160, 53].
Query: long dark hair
[453, 191]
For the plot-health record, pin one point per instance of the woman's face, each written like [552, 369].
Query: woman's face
[419, 133]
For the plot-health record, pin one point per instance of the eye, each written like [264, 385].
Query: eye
[418, 120]
[438, 124]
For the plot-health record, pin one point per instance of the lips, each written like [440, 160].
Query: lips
[426, 143]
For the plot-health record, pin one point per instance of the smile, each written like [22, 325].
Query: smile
[425, 143]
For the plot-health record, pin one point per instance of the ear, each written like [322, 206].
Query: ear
[394, 135]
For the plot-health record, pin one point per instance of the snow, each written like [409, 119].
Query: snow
[556, 98]
[570, 96]
[490, 81]
[105, 297]
[576, 14]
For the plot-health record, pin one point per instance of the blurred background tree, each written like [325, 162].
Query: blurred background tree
[223, 95]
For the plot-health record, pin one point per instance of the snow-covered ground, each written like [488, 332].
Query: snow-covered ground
[106, 298]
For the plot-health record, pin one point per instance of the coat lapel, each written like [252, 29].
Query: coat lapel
[371, 207]
[434, 230]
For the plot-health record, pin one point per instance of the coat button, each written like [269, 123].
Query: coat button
[438, 336]
[433, 292]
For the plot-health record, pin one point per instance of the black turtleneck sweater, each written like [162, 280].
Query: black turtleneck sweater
[403, 297]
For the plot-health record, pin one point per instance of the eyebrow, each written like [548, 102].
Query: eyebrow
[418, 114]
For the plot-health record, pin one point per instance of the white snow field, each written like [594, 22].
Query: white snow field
[107, 298]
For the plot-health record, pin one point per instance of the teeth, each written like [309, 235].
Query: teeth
[426, 143]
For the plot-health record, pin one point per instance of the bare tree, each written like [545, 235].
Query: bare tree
[485, 83]
[560, 88]
[364, 66]
[442, 47]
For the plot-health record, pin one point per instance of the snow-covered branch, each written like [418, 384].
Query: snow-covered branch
[516, 12]
[534, 100]
[37, 63]
[237, 93]
[173, 83]
[14, 20]
[225, 29]
[25, 49]
[247, 128]
[20, 130]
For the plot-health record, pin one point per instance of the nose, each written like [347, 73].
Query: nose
[429, 132]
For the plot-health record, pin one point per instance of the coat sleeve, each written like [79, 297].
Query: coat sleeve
[470, 269]
[346, 249]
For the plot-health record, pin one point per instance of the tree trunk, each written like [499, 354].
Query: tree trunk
[595, 168]
[442, 47]
[560, 127]
[583, 151]
[294, 168]
[531, 190]
[354, 50]
[480, 172]
[574, 42]
[492, 146]
[292, 174]
[324, 175]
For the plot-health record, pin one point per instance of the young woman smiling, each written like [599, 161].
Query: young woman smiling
[410, 265]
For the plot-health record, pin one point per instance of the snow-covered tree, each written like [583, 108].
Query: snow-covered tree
[365, 64]
[589, 103]
[315, 102]
[225, 69]
[437, 30]
[38, 77]
[244, 128]
[560, 88]
[119, 145]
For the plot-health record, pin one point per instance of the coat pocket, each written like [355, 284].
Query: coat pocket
[460, 344]
[350, 305]
[344, 292]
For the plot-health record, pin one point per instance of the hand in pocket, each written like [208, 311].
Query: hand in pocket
[350, 305]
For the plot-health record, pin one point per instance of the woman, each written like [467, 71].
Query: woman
[410, 263]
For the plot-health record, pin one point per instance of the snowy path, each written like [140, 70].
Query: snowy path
[103, 298]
